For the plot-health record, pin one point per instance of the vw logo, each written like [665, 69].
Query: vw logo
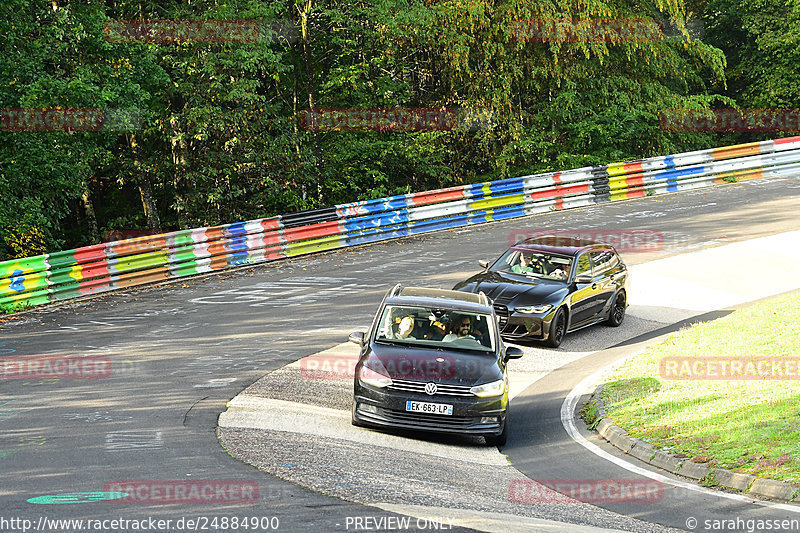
[430, 389]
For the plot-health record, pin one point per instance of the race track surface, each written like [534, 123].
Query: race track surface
[179, 352]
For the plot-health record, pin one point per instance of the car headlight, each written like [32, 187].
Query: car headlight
[533, 309]
[371, 377]
[495, 388]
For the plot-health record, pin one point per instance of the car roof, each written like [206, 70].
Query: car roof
[467, 301]
[559, 245]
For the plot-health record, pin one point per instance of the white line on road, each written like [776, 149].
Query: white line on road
[567, 420]
[780, 251]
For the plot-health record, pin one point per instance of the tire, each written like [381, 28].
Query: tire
[617, 312]
[499, 440]
[558, 328]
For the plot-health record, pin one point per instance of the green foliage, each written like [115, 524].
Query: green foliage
[591, 414]
[762, 41]
[218, 136]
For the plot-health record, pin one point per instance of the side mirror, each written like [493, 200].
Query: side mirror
[357, 337]
[484, 264]
[583, 278]
[512, 352]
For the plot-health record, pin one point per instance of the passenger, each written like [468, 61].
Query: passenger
[560, 272]
[462, 329]
[437, 331]
[404, 328]
[481, 333]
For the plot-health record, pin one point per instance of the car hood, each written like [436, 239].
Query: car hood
[513, 289]
[452, 367]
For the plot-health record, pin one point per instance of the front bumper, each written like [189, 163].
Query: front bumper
[471, 416]
[527, 326]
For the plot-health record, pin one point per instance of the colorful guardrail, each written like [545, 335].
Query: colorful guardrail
[103, 267]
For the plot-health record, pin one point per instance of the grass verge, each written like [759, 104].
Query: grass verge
[747, 425]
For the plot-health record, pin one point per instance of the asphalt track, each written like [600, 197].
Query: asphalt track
[544, 450]
[295, 422]
[179, 352]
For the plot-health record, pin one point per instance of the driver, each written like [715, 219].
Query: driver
[462, 329]
[527, 265]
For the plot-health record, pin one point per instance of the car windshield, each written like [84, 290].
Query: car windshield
[534, 264]
[437, 328]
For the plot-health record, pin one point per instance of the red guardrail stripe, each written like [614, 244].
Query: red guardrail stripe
[314, 231]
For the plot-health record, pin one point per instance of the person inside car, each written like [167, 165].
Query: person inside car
[526, 265]
[462, 329]
[436, 332]
[400, 324]
[404, 328]
[480, 331]
[560, 271]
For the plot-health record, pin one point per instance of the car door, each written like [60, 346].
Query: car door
[582, 299]
[604, 263]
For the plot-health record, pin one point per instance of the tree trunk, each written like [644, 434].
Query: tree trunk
[91, 218]
[303, 185]
[178, 148]
[145, 189]
[309, 67]
[149, 205]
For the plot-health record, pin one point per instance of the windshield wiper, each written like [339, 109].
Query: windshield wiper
[393, 342]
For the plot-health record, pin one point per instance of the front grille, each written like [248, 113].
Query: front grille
[502, 315]
[419, 387]
[450, 422]
[517, 330]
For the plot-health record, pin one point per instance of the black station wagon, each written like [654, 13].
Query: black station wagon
[545, 287]
[433, 360]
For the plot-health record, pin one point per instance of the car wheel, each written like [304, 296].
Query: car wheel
[353, 416]
[558, 328]
[499, 440]
[617, 312]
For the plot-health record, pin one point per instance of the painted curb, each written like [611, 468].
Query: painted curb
[702, 472]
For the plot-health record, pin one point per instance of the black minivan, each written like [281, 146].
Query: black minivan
[433, 360]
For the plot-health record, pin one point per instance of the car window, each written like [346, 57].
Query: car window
[584, 265]
[441, 328]
[534, 264]
[604, 260]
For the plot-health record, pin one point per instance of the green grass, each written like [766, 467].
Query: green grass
[750, 425]
[590, 413]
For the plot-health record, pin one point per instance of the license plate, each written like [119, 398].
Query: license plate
[431, 408]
